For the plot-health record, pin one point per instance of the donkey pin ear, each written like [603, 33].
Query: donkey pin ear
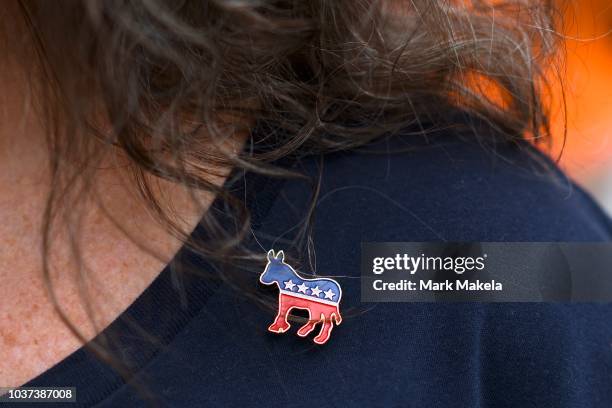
[280, 256]
[271, 255]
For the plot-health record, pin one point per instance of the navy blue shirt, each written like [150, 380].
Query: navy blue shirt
[213, 349]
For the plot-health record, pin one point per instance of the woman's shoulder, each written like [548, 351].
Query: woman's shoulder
[449, 186]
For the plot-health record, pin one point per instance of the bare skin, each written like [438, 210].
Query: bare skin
[33, 338]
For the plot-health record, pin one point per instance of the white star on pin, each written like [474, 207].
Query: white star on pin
[329, 294]
[315, 291]
[289, 284]
[302, 288]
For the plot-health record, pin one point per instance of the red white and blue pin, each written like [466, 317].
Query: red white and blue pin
[320, 297]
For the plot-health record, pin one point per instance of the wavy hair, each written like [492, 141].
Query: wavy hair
[169, 78]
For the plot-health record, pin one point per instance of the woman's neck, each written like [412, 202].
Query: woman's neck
[122, 246]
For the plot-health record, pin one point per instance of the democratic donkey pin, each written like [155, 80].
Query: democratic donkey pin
[320, 297]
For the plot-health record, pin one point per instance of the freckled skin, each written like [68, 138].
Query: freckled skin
[32, 336]
[8, 339]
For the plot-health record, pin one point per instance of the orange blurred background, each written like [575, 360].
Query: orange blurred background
[588, 90]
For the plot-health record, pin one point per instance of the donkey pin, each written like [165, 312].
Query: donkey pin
[320, 297]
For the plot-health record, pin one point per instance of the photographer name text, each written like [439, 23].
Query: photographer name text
[434, 286]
